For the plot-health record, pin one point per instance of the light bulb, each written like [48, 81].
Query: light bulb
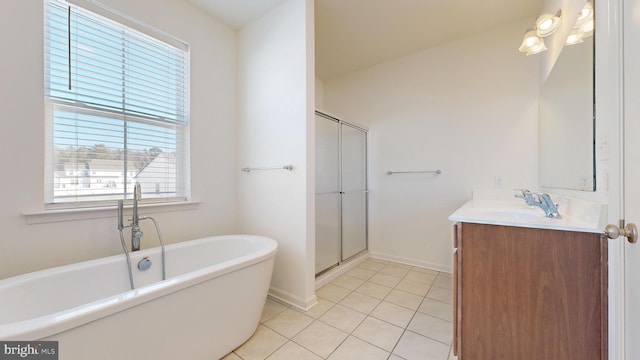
[587, 26]
[585, 14]
[532, 44]
[575, 37]
[547, 24]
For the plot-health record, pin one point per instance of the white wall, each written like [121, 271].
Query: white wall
[276, 128]
[469, 108]
[28, 247]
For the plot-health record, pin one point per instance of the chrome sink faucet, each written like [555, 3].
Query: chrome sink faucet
[541, 200]
[136, 233]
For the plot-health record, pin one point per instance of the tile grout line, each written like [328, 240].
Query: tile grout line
[424, 298]
[368, 315]
[406, 269]
[409, 323]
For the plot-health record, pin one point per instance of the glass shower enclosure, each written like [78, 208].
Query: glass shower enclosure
[341, 191]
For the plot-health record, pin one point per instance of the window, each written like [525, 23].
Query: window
[116, 96]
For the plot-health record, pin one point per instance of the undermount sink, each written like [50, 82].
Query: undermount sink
[577, 215]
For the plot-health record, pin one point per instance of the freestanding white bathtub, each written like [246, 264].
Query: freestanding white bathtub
[210, 303]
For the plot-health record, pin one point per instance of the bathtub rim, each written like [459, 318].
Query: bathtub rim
[54, 323]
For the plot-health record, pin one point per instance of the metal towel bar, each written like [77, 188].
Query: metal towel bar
[437, 172]
[286, 167]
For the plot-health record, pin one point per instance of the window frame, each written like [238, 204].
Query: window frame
[182, 177]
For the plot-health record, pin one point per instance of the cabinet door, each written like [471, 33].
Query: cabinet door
[531, 294]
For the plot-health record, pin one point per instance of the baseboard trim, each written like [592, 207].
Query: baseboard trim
[412, 262]
[339, 270]
[293, 300]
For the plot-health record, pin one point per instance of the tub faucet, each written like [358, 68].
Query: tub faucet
[541, 200]
[136, 234]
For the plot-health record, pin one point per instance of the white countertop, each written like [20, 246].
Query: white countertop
[577, 215]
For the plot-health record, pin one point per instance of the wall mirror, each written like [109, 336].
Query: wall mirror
[567, 121]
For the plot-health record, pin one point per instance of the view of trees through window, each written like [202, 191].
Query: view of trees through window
[83, 154]
[105, 173]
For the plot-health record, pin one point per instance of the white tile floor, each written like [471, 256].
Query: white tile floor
[378, 310]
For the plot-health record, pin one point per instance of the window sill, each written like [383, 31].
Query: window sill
[50, 216]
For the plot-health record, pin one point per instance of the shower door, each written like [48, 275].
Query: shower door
[354, 191]
[341, 191]
[328, 218]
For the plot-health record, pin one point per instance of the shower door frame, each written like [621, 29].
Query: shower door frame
[365, 130]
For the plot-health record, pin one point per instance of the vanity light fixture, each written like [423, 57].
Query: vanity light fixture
[547, 24]
[583, 27]
[585, 15]
[575, 37]
[532, 43]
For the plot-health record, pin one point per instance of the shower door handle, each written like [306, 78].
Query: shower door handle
[354, 192]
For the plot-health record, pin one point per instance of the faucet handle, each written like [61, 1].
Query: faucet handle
[526, 194]
[543, 197]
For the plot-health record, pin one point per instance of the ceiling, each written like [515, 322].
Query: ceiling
[236, 13]
[353, 34]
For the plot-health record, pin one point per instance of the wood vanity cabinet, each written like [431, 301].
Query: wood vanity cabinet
[524, 293]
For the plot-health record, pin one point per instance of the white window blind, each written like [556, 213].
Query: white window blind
[117, 110]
